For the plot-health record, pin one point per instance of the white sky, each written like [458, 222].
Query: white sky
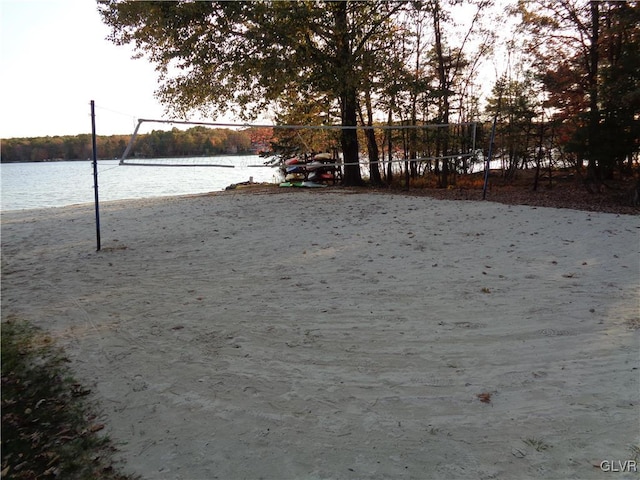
[54, 59]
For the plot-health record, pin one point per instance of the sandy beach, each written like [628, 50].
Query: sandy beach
[313, 334]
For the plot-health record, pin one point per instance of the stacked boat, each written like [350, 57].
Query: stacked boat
[316, 172]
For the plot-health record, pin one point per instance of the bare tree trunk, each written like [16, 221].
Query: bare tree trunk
[348, 98]
[372, 146]
[593, 167]
[413, 165]
[444, 91]
[390, 146]
[539, 156]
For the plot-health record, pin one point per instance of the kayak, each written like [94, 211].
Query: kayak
[305, 184]
[315, 165]
[293, 177]
[308, 184]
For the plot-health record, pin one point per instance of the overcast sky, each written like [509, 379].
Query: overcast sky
[54, 60]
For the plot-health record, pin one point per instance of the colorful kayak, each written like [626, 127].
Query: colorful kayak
[305, 184]
[320, 176]
[292, 177]
[322, 156]
[315, 165]
[308, 184]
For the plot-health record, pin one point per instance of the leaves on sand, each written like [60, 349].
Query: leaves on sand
[484, 397]
[47, 431]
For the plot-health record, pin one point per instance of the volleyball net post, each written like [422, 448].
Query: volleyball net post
[95, 172]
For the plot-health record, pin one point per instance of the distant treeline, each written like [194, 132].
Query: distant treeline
[196, 141]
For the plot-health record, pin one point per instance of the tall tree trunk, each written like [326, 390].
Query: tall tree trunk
[390, 144]
[349, 140]
[413, 140]
[372, 145]
[540, 154]
[594, 169]
[416, 90]
[444, 91]
[348, 97]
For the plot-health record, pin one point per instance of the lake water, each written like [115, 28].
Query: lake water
[57, 184]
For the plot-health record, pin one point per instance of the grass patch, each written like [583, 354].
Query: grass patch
[48, 430]
[537, 443]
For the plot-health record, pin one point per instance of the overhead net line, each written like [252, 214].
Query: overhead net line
[129, 147]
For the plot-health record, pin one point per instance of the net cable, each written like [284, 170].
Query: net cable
[125, 162]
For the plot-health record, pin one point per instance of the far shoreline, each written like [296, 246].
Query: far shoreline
[55, 160]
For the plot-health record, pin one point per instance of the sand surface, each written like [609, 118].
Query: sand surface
[331, 335]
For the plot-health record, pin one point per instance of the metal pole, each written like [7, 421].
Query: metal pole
[475, 130]
[491, 144]
[131, 142]
[95, 172]
[488, 164]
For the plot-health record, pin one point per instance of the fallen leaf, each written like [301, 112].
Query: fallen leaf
[484, 397]
[96, 427]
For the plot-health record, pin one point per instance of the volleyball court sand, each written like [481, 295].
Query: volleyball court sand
[312, 334]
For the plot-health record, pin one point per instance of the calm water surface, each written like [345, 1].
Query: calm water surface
[58, 184]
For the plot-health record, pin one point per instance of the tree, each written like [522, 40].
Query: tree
[455, 65]
[515, 103]
[587, 59]
[620, 84]
[245, 56]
